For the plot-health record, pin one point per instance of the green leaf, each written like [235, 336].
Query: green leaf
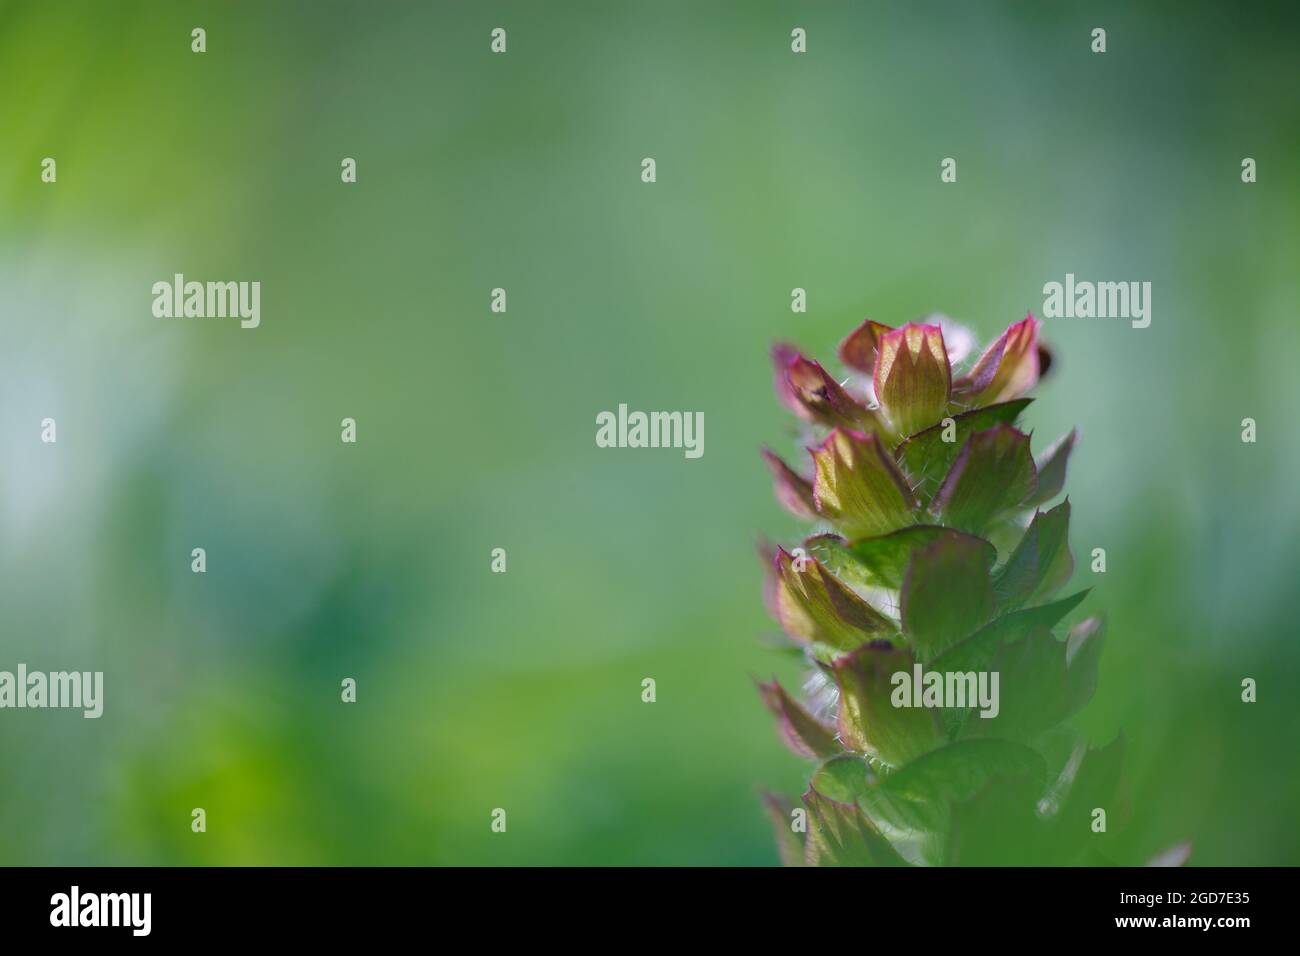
[926, 457]
[1091, 778]
[789, 842]
[1082, 660]
[802, 732]
[1034, 688]
[1097, 780]
[1041, 562]
[814, 607]
[883, 560]
[1041, 682]
[959, 770]
[1051, 469]
[793, 490]
[843, 778]
[916, 828]
[946, 593]
[858, 486]
[868, 720]
[841, 835]
[836, 556]
[997, 826]
[993, 473]
[848, 780]
[914, 806]
[977, 651]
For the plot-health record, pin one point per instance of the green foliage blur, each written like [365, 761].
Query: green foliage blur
[522, 691]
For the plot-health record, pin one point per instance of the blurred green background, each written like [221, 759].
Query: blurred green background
[476, 430]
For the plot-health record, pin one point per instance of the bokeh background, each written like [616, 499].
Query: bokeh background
[476, 430]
